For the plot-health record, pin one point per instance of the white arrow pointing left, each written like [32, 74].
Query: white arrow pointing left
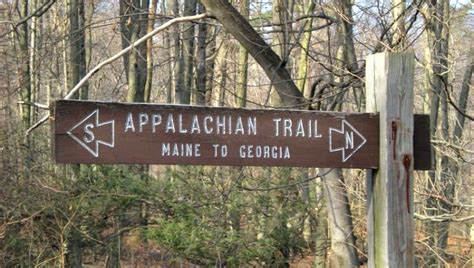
[87, 127]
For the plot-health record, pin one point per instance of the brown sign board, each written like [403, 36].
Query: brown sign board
[131, 133]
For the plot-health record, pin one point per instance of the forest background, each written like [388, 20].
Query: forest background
[117, 215]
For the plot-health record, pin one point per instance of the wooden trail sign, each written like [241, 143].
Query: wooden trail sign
[122, 133]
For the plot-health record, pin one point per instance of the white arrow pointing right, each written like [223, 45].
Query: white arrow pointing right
[350, 146]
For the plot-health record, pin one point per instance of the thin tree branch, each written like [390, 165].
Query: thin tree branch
[115, 57]
[34, 104]
[127, 49]
[443, 218]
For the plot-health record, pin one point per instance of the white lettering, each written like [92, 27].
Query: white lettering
[242, 151]
[181, 149]
[189, 149]
[350, 140]
[220, 125]
[239, 126]
[197, 150]
[250, 151]
[195, 128]
[170, 124]
[175, 150]
[274, 152]
[215, 146]
[277, 126]
[165, 149]
[142, 120]
[316, 134]
[224, 151]
[287, 153]
[264, 151]
[155, 121]
[90, 135]
[310, 129]
[229, 125]
[208, 129]
[258, 151]
[252, 125]
[300, 128]
[180, 124]
[129, 123]
[287, 123]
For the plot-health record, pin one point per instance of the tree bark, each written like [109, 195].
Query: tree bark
[200, 95]
[343, 250]
[77, 47]
[149, 52]
[270, 62]
[242, 76]
[211, 63]
[133, 25]
[279, 40]
[463, 98]
[186, 61]
[399, 35]
[178, 68]
[303, 58]
[24, 74]
[437, 31]
[77, 70]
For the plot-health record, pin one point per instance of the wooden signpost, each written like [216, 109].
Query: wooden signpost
[388, 140]
[106, 133]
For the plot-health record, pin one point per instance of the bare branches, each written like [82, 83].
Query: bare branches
[91, 73]
[127, 49]
[279, 187]
[443, 218]
[34, 104]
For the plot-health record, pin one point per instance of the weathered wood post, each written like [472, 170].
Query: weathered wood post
[389, 83]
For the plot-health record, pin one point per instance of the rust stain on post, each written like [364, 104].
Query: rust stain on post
[406, 165]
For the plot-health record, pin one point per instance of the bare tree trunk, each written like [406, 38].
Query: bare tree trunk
[320, 229]
[77, 70]
[270, 62]
[149, 52]
[77, 47]
[316, 221]
[34, 70]
[133, 25]
[398, 14]
[343, 251]
[279, 40]
[303, 58]
[437, 30]
[211, 62]
[242, 76]
[200, 95]
[463, 98]
[290, 96]
[24, 74]
[187, 56]
[178, 61]
[343, 247]
[218, 92]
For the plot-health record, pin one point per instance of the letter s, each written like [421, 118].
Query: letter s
[89, 137]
